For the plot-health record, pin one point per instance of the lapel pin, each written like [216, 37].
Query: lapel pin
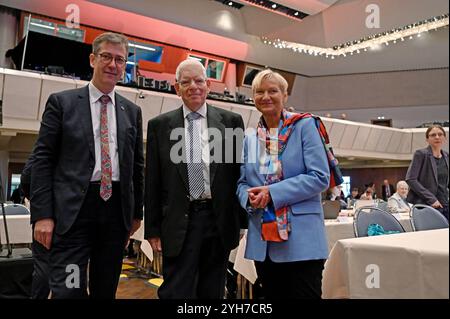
[122, 108]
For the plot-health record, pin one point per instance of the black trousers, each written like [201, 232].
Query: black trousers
[40, 284]
[199, 271]
[444, 210]
[98, 238]
[291, 280]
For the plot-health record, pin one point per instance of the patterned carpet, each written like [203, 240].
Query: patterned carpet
[135, 283]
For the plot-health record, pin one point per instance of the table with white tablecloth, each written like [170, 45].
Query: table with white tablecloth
[343, 229]
[335, 229]
[406, 265]
[19, 229]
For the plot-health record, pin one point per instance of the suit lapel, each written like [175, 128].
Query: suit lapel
[86, 119]
[446, 163]
[215, 121]
[176, 122]
[121, 122]
[433, 164]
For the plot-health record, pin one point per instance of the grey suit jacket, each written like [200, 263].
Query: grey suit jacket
[64, 158]
[422, 177]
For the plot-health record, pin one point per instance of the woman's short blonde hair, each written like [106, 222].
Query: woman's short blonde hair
[268, 74]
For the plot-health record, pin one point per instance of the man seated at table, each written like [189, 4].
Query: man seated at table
[397, 203]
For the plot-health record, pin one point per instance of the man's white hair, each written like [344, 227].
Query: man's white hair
[186, 63]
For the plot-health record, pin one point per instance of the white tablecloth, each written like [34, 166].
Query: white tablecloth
[341, 230]
[408, 265]
[19, 229]
[335, 231]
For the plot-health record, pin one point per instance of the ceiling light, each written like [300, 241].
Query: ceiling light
[373, 42]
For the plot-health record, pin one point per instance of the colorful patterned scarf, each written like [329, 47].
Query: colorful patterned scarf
[276, 224]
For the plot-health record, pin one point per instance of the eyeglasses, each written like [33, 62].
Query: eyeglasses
[436, 134]
[187, 83]
[106, 58]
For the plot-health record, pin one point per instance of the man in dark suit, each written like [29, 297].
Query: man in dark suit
[87, 177]
[40, 283]
[191, 210]
[387, 190]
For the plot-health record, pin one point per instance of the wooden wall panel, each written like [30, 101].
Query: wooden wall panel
[361, 176]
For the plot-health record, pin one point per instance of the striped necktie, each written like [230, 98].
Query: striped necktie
[194, 162]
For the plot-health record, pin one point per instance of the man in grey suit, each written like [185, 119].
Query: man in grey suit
[87, 177]
[191, 210]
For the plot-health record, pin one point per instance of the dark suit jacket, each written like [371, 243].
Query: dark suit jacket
[167, 188]
[383, 191]
[422, 177]
[25, 176]
[65, 158]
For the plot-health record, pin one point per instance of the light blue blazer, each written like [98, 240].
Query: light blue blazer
[306, 175]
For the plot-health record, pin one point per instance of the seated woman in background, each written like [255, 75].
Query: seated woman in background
[397, 203]
[367, 195]
[334, 193]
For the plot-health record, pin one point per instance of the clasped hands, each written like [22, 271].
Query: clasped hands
[259, 197]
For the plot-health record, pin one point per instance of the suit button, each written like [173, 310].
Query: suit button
[186, 215]
[83, 190]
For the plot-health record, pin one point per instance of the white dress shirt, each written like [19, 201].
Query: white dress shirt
[94, 96]
[203, 123]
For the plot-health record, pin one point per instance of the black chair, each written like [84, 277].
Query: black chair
[424, 217]
[383, 206]
[365, 216]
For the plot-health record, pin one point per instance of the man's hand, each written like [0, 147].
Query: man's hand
[259, 197]
[43, 232]
[155, 242]
[436, 204]
[135, 226]
[136, 223]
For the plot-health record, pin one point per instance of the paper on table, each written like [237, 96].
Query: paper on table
[344, 219]
[245, 267]
[147, 249]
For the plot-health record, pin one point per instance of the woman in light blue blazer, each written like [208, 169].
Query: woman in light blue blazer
[283, 173]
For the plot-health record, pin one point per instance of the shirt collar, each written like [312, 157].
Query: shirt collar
[202, 110]
[95, 94]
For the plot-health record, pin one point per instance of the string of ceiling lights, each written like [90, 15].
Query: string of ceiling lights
[372, 42]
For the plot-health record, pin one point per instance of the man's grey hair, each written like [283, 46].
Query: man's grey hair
[110, 37]
[186, 63]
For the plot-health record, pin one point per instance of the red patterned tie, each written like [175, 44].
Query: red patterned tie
[105, 184]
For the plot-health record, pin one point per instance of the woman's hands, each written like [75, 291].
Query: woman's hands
[259, 197]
